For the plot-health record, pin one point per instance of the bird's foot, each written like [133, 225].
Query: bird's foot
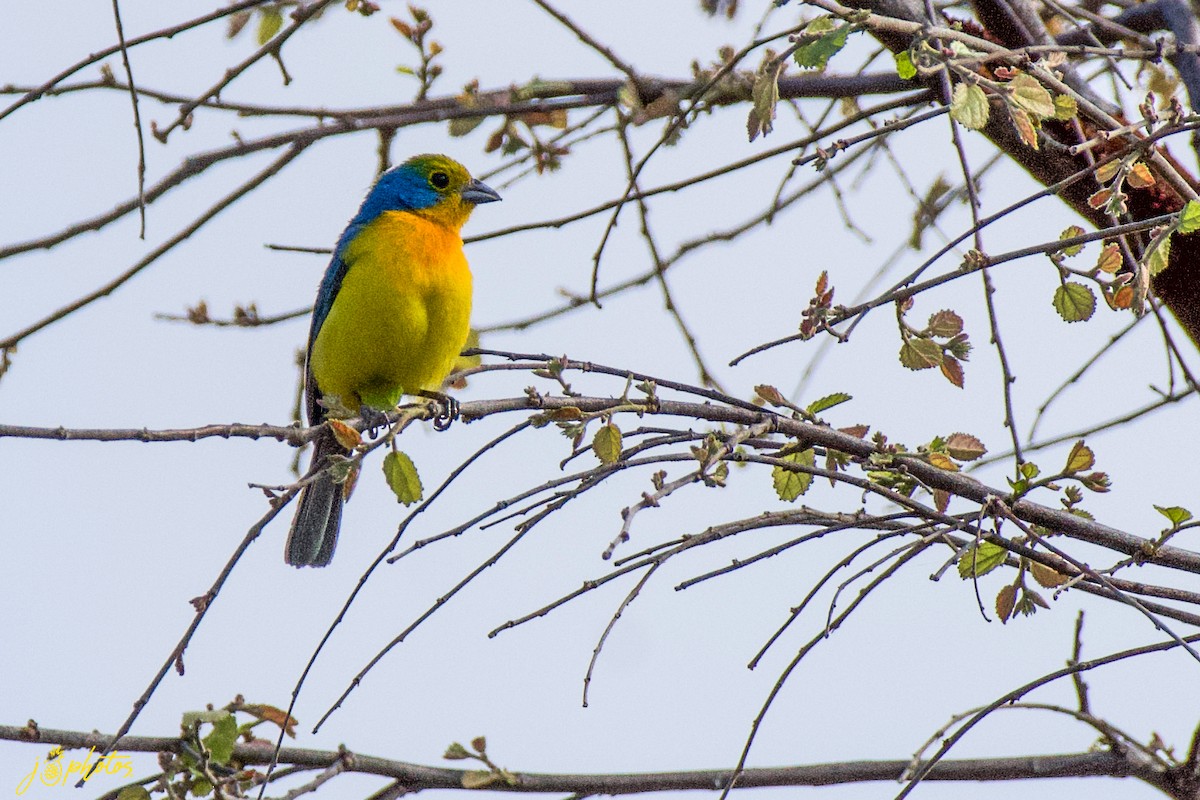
[373, 419]
[447, 410]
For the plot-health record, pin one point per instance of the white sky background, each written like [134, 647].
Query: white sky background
[107, 542]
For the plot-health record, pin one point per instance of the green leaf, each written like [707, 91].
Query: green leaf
[220, 742]
[190, 718]
[1189, 217]
[827, 402]
[920, 353]
[1177, 514]
[788, 484]
[1074, 302]
[1029, 95]
[606, 444]
[270, 20]
[1071, 233]
[133, 793]
[456, 752]
[402, 477]
[765, 94]
[978, 560]
[816, 54]
[1159, 254]
[969, 106]
[461, 126]
[904, 65]
[719, 475]
[1065, 107]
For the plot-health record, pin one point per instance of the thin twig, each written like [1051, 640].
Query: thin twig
[137, 117]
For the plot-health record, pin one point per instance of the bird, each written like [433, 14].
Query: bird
[391, 316]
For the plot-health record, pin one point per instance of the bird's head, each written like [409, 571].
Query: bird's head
[434, 186]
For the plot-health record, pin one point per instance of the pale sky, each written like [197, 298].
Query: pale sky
[108, 542]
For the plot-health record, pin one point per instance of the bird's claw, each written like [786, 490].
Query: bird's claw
[447, 413]
[447, 410]
[373, 419]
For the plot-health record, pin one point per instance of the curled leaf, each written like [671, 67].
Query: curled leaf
[964, 446]
[1080, 458]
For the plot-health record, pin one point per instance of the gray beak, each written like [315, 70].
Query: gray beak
[479, 192]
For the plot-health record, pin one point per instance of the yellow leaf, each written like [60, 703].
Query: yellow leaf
[269, 22]
[1080, 458]
[606, 444]
[479, 779]
[1110, 259]
[1046, 576]
[942, 461]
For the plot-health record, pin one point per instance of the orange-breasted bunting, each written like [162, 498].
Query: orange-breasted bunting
[391, 316]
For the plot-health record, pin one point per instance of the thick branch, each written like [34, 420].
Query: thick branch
[955, 483]
[552, 95]
[417, 776]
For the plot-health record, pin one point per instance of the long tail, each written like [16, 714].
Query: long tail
[314, 532]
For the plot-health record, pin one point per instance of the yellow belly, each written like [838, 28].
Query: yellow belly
[401, 315]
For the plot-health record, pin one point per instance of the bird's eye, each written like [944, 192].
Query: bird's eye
[440, 180]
